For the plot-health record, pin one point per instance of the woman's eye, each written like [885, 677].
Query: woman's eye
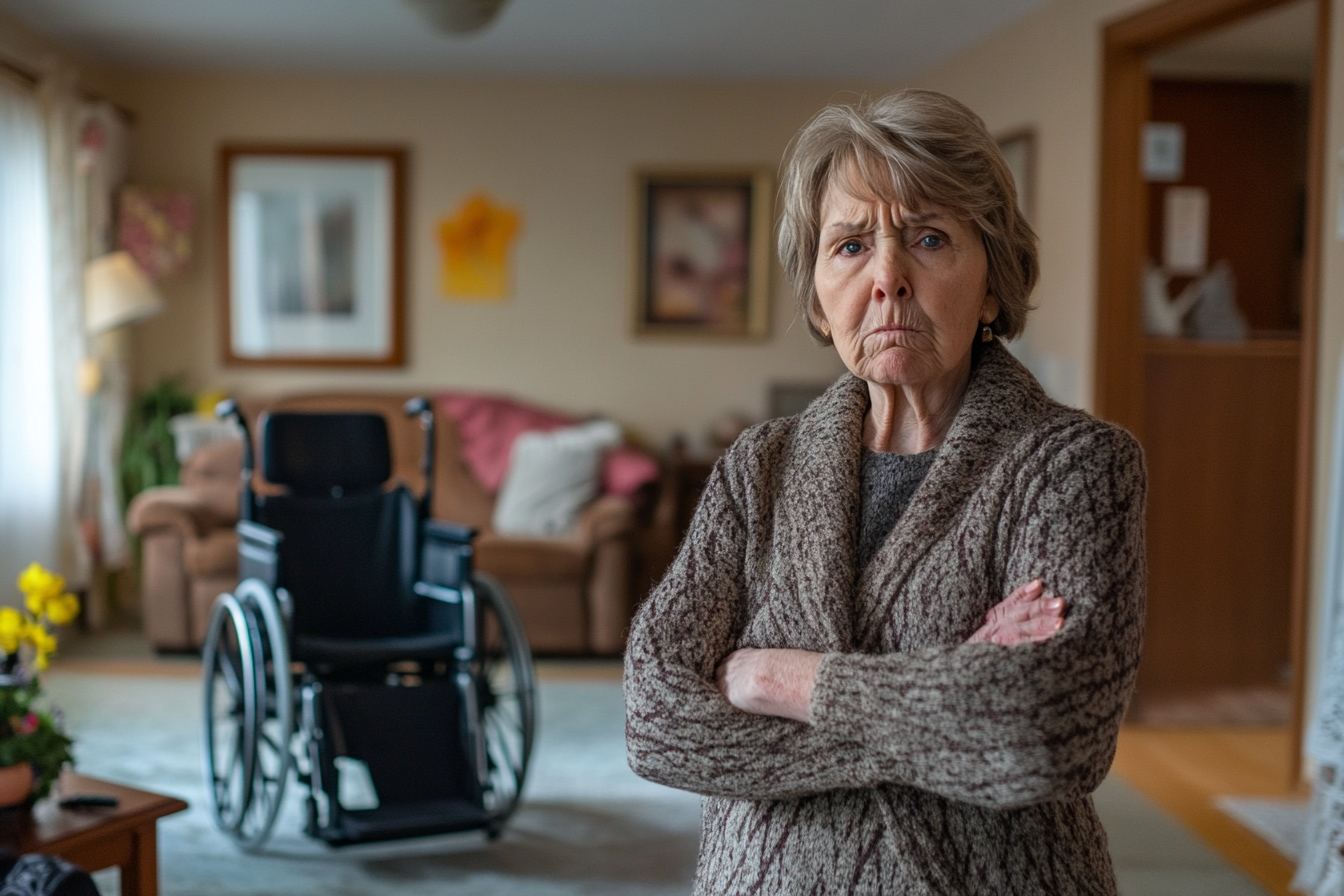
[930, 241]
[851, 247]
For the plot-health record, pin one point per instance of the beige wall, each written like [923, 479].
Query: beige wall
[562, 153]
[1045, 71]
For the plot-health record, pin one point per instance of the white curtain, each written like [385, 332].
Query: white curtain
[62, 115]
[30, 449]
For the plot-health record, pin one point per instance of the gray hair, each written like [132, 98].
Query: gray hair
[928, 150]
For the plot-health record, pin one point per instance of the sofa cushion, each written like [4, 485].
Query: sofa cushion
[488, 425]
[551, 476]
[554, 560]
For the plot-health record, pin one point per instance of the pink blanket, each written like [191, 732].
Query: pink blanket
[488, 424]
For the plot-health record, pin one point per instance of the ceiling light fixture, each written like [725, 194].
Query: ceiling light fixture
[457, 16]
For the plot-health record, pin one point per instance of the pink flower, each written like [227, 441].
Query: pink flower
[27, 725]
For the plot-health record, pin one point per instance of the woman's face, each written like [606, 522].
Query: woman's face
[903, 293]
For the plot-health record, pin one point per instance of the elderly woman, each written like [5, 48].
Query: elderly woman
[859, 655]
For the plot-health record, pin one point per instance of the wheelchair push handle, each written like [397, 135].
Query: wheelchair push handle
[223, 411]
[420, 407]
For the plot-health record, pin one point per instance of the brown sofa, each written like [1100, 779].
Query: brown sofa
[575, 594]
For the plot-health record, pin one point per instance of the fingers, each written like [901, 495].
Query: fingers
[1026, 615]
[1022, 604]
[1027, 591]
[1037, 628]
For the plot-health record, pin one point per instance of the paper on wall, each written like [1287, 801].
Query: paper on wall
[1185, 230]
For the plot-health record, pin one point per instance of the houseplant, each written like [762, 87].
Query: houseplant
[33, 746]
[147, 455]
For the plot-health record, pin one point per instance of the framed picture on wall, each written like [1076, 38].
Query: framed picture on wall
[703, 263]
[312, 255]
[1019, 150]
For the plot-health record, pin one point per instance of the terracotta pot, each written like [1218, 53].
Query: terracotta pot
[16, 782]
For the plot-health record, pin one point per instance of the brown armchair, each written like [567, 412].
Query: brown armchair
[574, 593]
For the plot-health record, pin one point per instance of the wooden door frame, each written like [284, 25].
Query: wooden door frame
[1118, 389]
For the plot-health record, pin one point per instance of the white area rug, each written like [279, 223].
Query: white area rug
[1281, 823]
[588, 825]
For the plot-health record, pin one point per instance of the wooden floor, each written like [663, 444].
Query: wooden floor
[1184, 769]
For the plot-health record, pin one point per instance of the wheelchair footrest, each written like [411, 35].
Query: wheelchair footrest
[404, 820]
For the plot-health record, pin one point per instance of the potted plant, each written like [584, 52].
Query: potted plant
[33, 746]
[147, 455]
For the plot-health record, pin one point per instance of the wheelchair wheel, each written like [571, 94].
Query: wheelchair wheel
[230, 713]
[274, 720]
[506, 699]
[249, 712]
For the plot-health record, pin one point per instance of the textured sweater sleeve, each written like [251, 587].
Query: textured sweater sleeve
[1009, 726]
[680, 731]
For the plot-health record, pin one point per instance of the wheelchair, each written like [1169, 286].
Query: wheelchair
[360, 650]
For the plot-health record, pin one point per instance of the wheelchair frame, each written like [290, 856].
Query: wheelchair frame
[264, 712]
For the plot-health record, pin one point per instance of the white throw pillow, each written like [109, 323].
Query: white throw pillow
[551, 476]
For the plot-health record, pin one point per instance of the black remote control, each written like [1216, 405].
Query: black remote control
[88, 801]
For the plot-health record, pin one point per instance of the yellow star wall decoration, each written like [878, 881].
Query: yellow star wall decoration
[475, 244]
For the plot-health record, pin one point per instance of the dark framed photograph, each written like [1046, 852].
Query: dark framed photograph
[1019, 150]
[312, 255]
[703, 266]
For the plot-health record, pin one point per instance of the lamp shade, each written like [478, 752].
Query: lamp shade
[117, 292]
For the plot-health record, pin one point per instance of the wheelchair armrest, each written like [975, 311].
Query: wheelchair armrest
[446, 555]
[258, 552]
[448, 532]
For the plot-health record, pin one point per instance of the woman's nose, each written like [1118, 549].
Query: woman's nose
[889, 278]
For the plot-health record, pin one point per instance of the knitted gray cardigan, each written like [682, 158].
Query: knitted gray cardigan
[931, 765]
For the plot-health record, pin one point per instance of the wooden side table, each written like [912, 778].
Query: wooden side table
[125, 836]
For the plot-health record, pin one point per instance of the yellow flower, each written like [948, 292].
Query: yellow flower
[12, 625]
[44, 644]
[62, 609]
[39, 585]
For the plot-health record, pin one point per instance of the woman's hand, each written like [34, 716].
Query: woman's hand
[778, 682]
[769, 682]
[1023, 617]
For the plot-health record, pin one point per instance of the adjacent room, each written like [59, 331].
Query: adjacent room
[506, 272]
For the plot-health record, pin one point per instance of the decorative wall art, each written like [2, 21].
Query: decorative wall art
[475, 244]
[155, 227]
[704, 253]
[312, 255]
[1019, 151]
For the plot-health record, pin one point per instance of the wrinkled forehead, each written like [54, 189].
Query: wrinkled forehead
[869, 177]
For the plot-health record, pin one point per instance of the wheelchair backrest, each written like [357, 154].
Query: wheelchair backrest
[349, 547]
[328, 454]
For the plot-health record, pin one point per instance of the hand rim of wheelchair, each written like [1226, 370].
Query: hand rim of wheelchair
[507, 722]
[230, 689]
[264, 721]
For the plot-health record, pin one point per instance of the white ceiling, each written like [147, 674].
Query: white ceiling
[1277, 43]
[776, 40]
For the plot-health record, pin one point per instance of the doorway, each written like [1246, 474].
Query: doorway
[1223, 404]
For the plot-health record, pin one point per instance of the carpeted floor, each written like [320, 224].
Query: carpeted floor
[588, 825]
